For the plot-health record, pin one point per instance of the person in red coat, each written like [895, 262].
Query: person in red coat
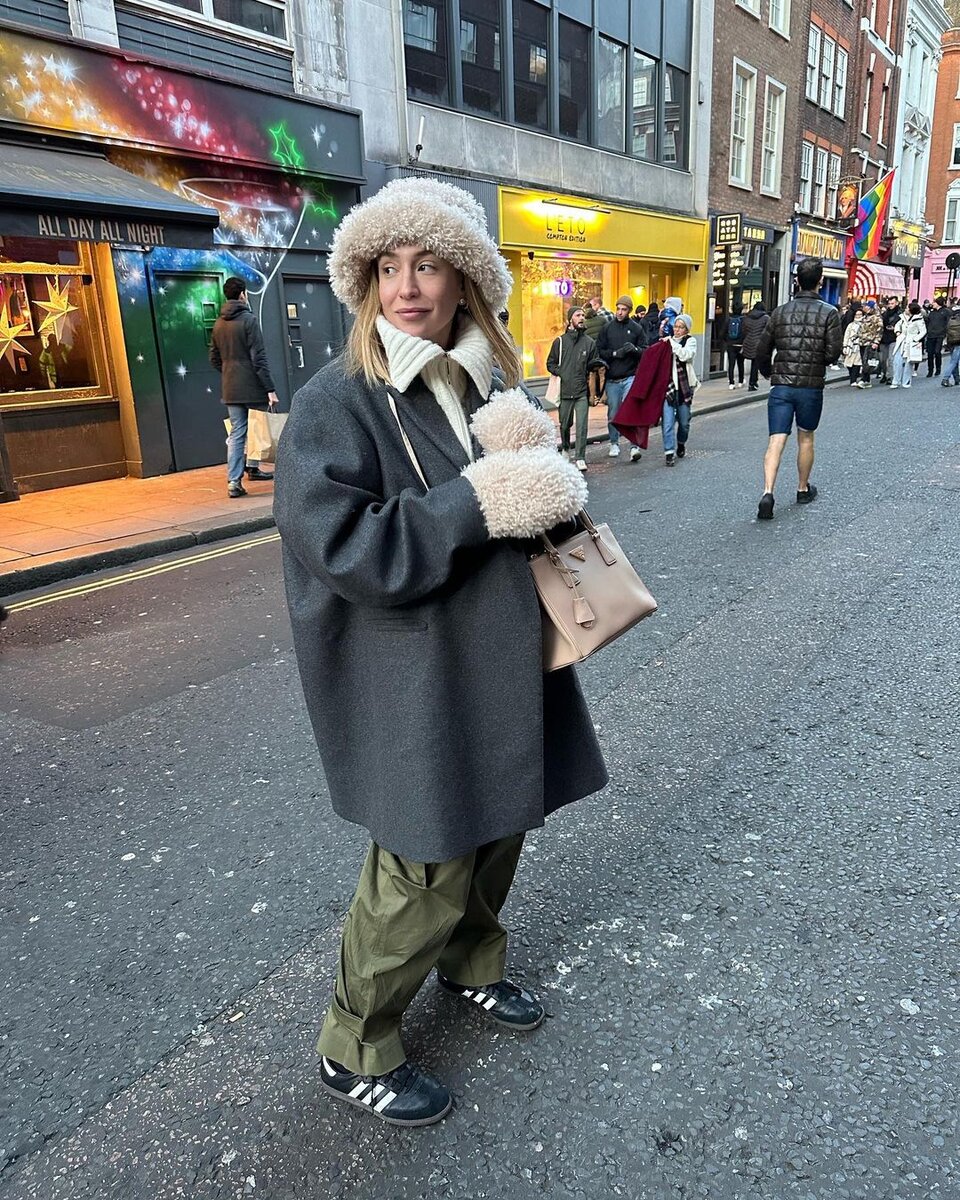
[642, 407]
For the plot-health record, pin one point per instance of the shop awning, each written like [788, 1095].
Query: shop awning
[83, 197]
[877, 279]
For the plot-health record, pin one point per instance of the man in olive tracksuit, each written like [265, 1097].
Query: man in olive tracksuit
[571, 356]
[238, 353]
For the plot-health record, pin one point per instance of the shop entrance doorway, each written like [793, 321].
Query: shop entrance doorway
[186, 306]
[313, 325]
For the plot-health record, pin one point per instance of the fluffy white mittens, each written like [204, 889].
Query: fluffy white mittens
[523, 485]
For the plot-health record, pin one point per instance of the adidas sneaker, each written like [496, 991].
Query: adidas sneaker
[405, 1096]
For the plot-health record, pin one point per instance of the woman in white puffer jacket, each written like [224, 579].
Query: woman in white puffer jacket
[911, 329]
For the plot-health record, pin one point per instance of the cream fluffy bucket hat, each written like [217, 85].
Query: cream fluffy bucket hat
[417, 212]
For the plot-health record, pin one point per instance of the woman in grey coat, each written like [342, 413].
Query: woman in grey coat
[405, 497]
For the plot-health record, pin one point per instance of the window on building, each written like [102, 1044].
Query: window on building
[840, 83]
[833, 185]
[819, 203]
[263, 17]
[828, 56]
[867, 90]
[752, 6]
[480, 56]
[780, 16]
[806, 176]
[611, 94]
[425, 49]
[955, 156]
[814, 38]
[882, 119]
[951, 221]
[530, 74]
[645, 71]
[772, 161]
[676, 116]
[573, 74]
[742, 115]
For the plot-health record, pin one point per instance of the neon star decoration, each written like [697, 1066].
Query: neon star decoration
[8, 337]
[58, 308]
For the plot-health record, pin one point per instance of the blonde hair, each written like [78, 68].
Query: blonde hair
[366, 356]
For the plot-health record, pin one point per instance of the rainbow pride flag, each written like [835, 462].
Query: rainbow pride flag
[871, 218]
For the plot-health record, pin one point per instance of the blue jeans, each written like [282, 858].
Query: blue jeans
[953, 366]
[237, 443]
[902, 369]
[676, 426]
[616, 390]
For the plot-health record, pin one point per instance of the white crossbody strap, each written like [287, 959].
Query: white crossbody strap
[407, 443]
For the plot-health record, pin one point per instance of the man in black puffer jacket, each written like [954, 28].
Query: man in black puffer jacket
[937, 319]
[806, 335]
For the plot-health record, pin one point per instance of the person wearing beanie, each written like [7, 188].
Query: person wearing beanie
[620, 345]
[679, 397]
[572, 357]
[871, 331]
[413, 479]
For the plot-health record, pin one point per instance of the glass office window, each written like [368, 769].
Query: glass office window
[611, 71]
[530, 75]
[573, 78]
[645, 71]
[425, 49]
[676, 99]
[251, 14]
[480, 56]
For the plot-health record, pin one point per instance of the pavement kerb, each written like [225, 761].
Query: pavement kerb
[55, 569]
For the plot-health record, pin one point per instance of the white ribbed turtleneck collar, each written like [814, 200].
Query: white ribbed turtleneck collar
[408, 355]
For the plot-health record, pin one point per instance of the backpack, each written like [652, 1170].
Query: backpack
[953, 329]
[735, 329]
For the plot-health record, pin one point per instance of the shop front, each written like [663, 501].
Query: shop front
[906, 252]
[129, 192]
[831, 247]
[940, 274]
[745, 261]
[876, 281]
[563, 250]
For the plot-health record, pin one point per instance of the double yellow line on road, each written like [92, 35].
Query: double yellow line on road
[98, 585]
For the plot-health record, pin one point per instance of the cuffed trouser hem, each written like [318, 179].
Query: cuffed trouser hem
[340, 1039]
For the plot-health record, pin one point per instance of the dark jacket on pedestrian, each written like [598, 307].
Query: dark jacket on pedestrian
[937, 319]
[417, 635]
[238, 352]
[651, 324]
[806, 335]
[620, 345]
[754, 323]
[891, 319]
[572, 361]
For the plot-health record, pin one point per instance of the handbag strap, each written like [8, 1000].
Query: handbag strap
[406, 441]
[602, 548]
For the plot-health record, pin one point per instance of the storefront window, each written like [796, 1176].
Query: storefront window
[425, 49]
[530, 23]
[611, 67]
[644, 106]
[549, 286]
[480, 56]
[573, 80]
[49, 320]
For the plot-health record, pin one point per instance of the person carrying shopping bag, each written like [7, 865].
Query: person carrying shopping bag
[679, 397]
[911, 329]
[852, 357]
[572, 357]
[408, 491]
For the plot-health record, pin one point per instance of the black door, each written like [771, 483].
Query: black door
[313, 322]
[185, 306]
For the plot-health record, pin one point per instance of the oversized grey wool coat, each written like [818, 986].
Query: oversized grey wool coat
[417, 636]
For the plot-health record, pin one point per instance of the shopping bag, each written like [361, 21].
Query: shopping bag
[551, 397]
[263, 433]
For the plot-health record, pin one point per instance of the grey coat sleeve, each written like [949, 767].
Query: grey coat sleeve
[331, 513]
[258, 353]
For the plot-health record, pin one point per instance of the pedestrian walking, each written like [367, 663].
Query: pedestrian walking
[651, 324]
[734, 346]
[417, 628]
[852, 358]
[937, 319]
[754, 323]
[238, 353]
[908, 346]
[806, 335]
[890, 316]
[951, 376]
[595, 316]
[620, 345]
[572, 356]
[871, 330]
[850, 311]
[679, 397]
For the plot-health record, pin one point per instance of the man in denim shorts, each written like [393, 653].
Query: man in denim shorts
[806, 337]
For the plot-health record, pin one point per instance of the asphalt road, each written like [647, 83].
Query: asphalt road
[748, 943]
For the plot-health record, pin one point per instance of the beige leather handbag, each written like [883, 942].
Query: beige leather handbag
[589, 594]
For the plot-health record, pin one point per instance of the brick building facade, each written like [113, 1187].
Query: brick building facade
[943, 179]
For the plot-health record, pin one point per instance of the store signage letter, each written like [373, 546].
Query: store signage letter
[90, 229]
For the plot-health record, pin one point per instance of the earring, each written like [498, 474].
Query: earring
[462, 303]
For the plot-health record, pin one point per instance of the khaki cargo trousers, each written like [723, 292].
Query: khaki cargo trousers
[407, 918]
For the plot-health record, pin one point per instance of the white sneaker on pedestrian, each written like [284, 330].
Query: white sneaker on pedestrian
[581, 464]
[732, 387]
[894, 386]
[635, 453]
[614, 451]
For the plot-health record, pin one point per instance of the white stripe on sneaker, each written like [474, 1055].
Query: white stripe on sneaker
[388, 1099]
[327, 1067]
[468, 992]
[368, 1098]
[360, 1087]
[479, 997]
[488, 1004]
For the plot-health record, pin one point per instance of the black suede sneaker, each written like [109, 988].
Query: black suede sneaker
[256, 473]
[406, 1096]
[765, 507]
[808, 496]
[503, 1001]
[681, 449]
